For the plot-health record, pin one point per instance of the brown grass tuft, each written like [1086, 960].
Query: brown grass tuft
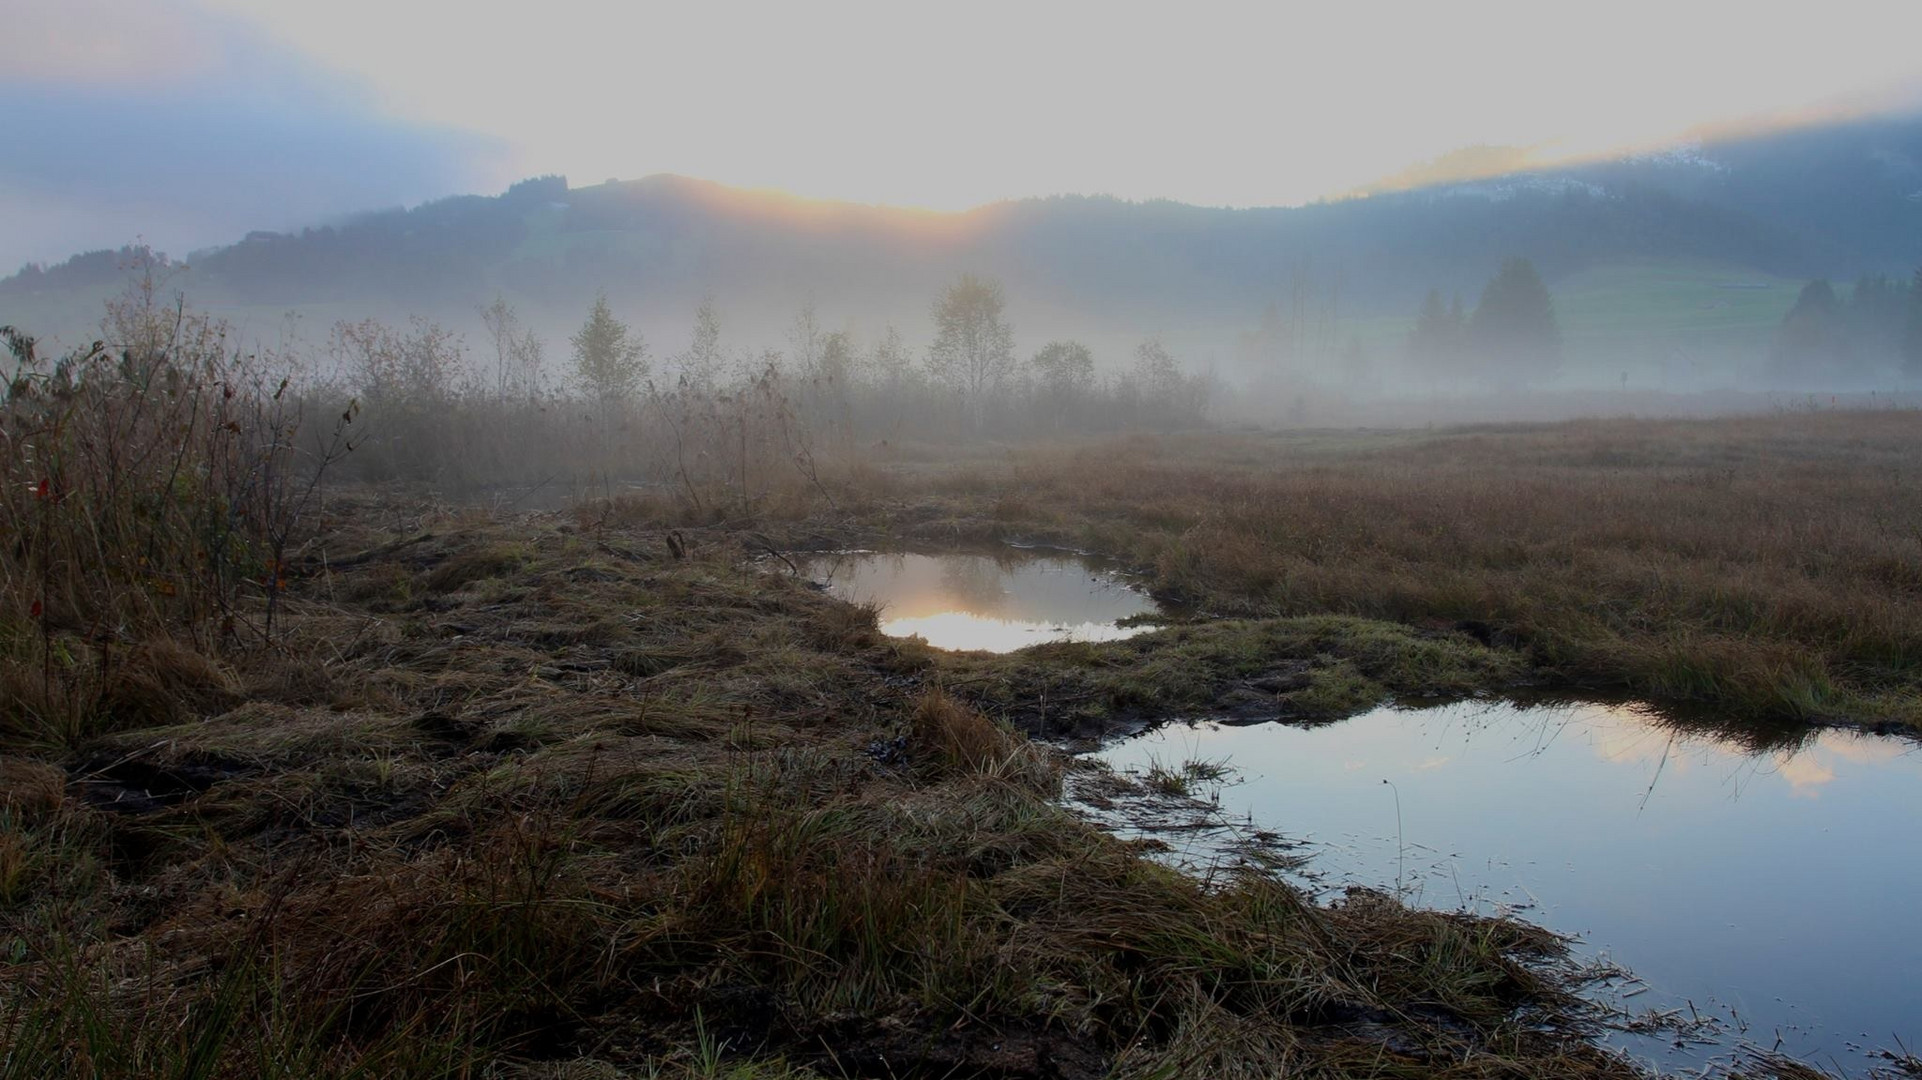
[956, 736]
[960, 741]
[468, 567]
[30, 788]
[162, 682]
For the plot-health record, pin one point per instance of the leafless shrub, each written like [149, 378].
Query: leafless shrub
[159, 479]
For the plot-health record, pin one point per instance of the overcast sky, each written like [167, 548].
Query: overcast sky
[187, 123]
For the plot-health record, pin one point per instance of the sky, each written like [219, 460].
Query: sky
[188, 122]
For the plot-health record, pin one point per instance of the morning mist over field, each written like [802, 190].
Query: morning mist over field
[1277, 217]
[990, 541]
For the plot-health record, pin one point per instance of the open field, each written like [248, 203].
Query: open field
[1671, 315]
[1766, 568]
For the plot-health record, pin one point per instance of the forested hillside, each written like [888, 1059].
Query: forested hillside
[1760, 211]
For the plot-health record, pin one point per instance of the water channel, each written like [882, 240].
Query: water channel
[1767, 894]
[1771, 893]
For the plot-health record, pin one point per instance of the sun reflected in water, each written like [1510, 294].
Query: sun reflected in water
[990, 603]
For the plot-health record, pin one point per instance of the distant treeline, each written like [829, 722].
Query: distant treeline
[1875, 329]
[90, 269]
[1512, 335]
[722, 426]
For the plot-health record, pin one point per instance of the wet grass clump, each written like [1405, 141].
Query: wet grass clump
[1181, 779]
[1305, 668]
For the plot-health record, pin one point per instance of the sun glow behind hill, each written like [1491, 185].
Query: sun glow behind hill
[1223, 105]
[924, 225]
[1485, 162]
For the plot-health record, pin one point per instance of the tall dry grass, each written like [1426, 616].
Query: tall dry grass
[154, 488]
[1771, 564]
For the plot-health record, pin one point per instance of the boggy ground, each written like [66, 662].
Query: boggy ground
[535, 797]
[1766, 569]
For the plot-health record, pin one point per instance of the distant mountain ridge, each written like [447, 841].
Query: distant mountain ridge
[1833, 201]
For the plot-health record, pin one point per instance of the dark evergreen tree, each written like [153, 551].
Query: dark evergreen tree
[1877, 315]
[1429, 341]
[1513, 331]
[1457, 331]
[1912, 333]
[610, 360]
[1438, 340]
[1814, 335]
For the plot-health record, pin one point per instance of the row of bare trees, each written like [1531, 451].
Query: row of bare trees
[725, 426]
[700, 419]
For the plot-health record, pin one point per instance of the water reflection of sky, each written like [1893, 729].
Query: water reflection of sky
[981, 602]
[1779, 888]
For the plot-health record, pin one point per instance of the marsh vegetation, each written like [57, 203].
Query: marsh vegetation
[846, 628]
[310, 769]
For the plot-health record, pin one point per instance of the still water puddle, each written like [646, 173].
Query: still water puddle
[1773, 893]
[996, 602]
